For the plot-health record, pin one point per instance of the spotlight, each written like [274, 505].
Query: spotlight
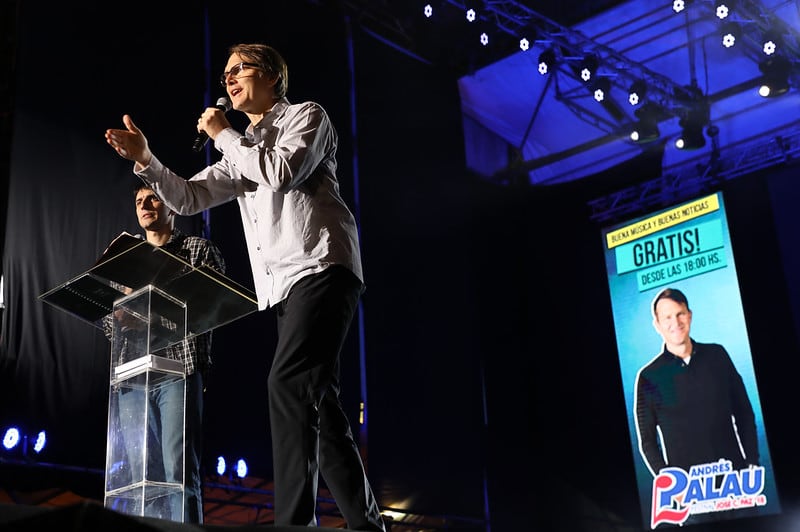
[694, 117]
[41, 441]
[691, 137]
[547, 61]
[771, 42]
[601, 89]
[471, 15]
[644, 132]
[775, 76]
[241, 468]
[637, 92]
[646, 129]
[731, 31]
[11, 438]
[678, 5]
[524, 44]
[14, 439]
[588, 67]
[428, 11]
[722, 10]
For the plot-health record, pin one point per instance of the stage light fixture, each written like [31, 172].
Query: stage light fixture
[694, 116]
[644, 132]
[11, 438]
[775, 76]
[15, 441]
[588, 67]
[238, 470]
[471, 15]
[730, 31]
[771, 42]
[722, 10]
[241, 468]
[484, 38]
[547, 61]
[428, 11]
[637, 92]
[678, 6]
[691, 137]
[41, 441]
[646, 128]
[601, 89]
[524, 44]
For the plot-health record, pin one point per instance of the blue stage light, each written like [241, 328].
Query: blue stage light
[41, 441]
[241, 468]
[775, 76]
[771, 42]
[11, 438]
[589, 67]
[547, 61]
[601, 89]
[221, 465]
[730, 32]
[637, 92]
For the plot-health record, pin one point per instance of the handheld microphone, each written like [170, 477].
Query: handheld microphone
[224, 105]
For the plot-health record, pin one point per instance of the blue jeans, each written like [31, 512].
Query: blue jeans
[166, 445]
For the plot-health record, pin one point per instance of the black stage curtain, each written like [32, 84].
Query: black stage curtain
[70, 196]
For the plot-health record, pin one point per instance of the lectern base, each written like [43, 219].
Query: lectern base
[146, 434]
[148, 499]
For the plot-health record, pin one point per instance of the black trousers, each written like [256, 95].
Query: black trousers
[311, 433]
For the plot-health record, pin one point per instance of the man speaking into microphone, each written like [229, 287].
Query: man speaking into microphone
[304, 252]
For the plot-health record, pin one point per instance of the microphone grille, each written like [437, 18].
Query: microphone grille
[225, 103]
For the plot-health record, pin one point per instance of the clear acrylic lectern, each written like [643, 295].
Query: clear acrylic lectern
[152, 299]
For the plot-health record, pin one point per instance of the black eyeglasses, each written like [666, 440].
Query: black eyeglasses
[236, 72]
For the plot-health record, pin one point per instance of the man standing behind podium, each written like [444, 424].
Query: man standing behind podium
[158, 222]
[306, 263]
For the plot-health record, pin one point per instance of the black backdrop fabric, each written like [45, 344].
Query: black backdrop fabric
[70, 199]
[490, 367]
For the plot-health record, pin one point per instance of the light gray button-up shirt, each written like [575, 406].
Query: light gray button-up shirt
[283, 174]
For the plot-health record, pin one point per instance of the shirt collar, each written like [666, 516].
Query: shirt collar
[176, 236]
[270, 117]
[666, 351]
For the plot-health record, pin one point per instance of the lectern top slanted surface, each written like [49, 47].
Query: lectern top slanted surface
[130, 262]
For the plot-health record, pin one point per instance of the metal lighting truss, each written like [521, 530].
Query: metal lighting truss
[570, 46]
[697, 177]
[673, 100]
